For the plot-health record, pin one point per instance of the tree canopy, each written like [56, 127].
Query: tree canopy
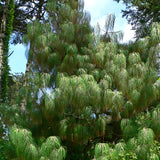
[141, 14]
[26, 11]
[86, 96]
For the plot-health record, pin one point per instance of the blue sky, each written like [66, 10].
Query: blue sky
[98, 9]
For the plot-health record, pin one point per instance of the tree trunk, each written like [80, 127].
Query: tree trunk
[2, 34]
[1, 56]
[26, 85]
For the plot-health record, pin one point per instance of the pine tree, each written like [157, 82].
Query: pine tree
[141, 129]
[96, 93]
[109, 33]
[67, 47]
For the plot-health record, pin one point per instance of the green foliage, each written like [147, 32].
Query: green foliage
[101, 149]
[7, 150]
[109, 33]
[2, 152]
[141, 14]
[52, 149]
[27, 149]
[92, 93]
[85, 93]
[142, 147]
[15, 83]
[5, 67]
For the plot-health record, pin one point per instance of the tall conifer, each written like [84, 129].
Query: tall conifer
[95, 91]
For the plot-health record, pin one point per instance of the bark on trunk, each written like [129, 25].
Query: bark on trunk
[1, 56]
[26, 85]
[2, 34]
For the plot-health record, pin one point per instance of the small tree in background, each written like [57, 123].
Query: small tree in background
[108, 32]
[141, 14]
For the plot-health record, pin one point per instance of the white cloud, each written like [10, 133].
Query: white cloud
[89, 3]
[128, 33]
[102, 21]
[97, 8]
[95, 3]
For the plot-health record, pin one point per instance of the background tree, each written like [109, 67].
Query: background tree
[108, 33]
[22, 17]
[15, 82]
[26, 11]
[6, 21]
[141, 14]
[7, 11]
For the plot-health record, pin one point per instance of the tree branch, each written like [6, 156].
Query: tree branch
[10, 53]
